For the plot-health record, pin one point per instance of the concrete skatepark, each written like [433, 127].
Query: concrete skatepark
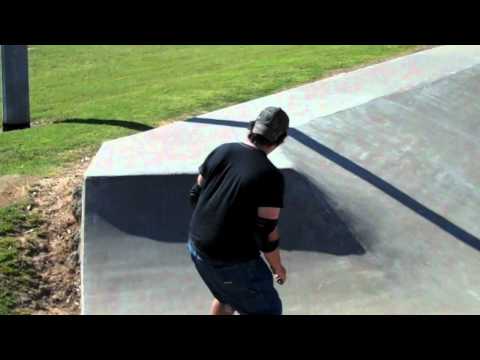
[381, 203]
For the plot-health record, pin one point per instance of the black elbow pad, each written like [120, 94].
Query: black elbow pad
[195, 194]
[269, 246]
[265, 226]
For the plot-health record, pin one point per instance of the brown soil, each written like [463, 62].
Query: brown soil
[52, 248]
[14, 187]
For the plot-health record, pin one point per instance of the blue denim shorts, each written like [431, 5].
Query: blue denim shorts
[247, 287]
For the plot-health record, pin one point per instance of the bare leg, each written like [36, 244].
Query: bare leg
[220, 309]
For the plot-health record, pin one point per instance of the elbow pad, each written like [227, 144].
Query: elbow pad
[263, 228]
[195, 194]
[269, 246]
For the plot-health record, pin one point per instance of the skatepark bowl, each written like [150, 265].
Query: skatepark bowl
[381, 197]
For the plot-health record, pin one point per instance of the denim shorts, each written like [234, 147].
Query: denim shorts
[247, 287]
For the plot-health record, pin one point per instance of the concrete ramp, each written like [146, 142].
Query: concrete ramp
[381, 205]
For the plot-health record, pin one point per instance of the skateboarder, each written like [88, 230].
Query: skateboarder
[237, 200]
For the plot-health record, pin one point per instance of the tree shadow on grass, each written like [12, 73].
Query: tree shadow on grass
[121, 123]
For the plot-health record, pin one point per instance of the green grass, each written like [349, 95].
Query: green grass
[15, 218]
[149, 85]
[8, 263]
[16, 275]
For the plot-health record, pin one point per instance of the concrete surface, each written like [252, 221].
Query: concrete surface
[381, 200]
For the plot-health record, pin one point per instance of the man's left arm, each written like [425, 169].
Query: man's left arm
[196, 190]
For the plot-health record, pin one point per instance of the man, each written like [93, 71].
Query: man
[237, 200]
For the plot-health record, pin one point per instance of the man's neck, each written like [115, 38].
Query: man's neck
[249, 143]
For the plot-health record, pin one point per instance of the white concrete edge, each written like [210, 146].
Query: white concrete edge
[82, 251]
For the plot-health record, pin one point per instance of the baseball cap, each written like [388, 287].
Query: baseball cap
[271, 123]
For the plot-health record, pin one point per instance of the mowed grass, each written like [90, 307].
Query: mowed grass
[144, 86]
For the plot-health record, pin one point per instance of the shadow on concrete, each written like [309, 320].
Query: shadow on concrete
[121, 123]
[308, 221]
[157, 208]
[369, 177]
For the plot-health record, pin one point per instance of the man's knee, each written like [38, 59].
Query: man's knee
[220, 308]
[228, 309]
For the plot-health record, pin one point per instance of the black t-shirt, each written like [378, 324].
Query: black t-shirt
[238, 179]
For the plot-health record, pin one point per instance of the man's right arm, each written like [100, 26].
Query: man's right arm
[266, 214]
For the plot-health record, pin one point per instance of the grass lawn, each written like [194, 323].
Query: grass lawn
[83, 95]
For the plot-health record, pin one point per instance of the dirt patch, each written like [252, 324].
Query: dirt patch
[53, 246]
[14, 187]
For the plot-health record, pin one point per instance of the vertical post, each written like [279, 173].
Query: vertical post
[16, 104]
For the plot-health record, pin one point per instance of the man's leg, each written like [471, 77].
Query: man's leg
[220, 309]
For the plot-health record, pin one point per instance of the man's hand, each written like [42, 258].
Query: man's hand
[279, 274]
[278, 270]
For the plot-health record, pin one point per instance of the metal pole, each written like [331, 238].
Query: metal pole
[16, 107]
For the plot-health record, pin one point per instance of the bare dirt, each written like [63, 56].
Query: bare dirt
[52, 247]
[14, 187]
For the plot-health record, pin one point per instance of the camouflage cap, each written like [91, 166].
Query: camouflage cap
[271, 123]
